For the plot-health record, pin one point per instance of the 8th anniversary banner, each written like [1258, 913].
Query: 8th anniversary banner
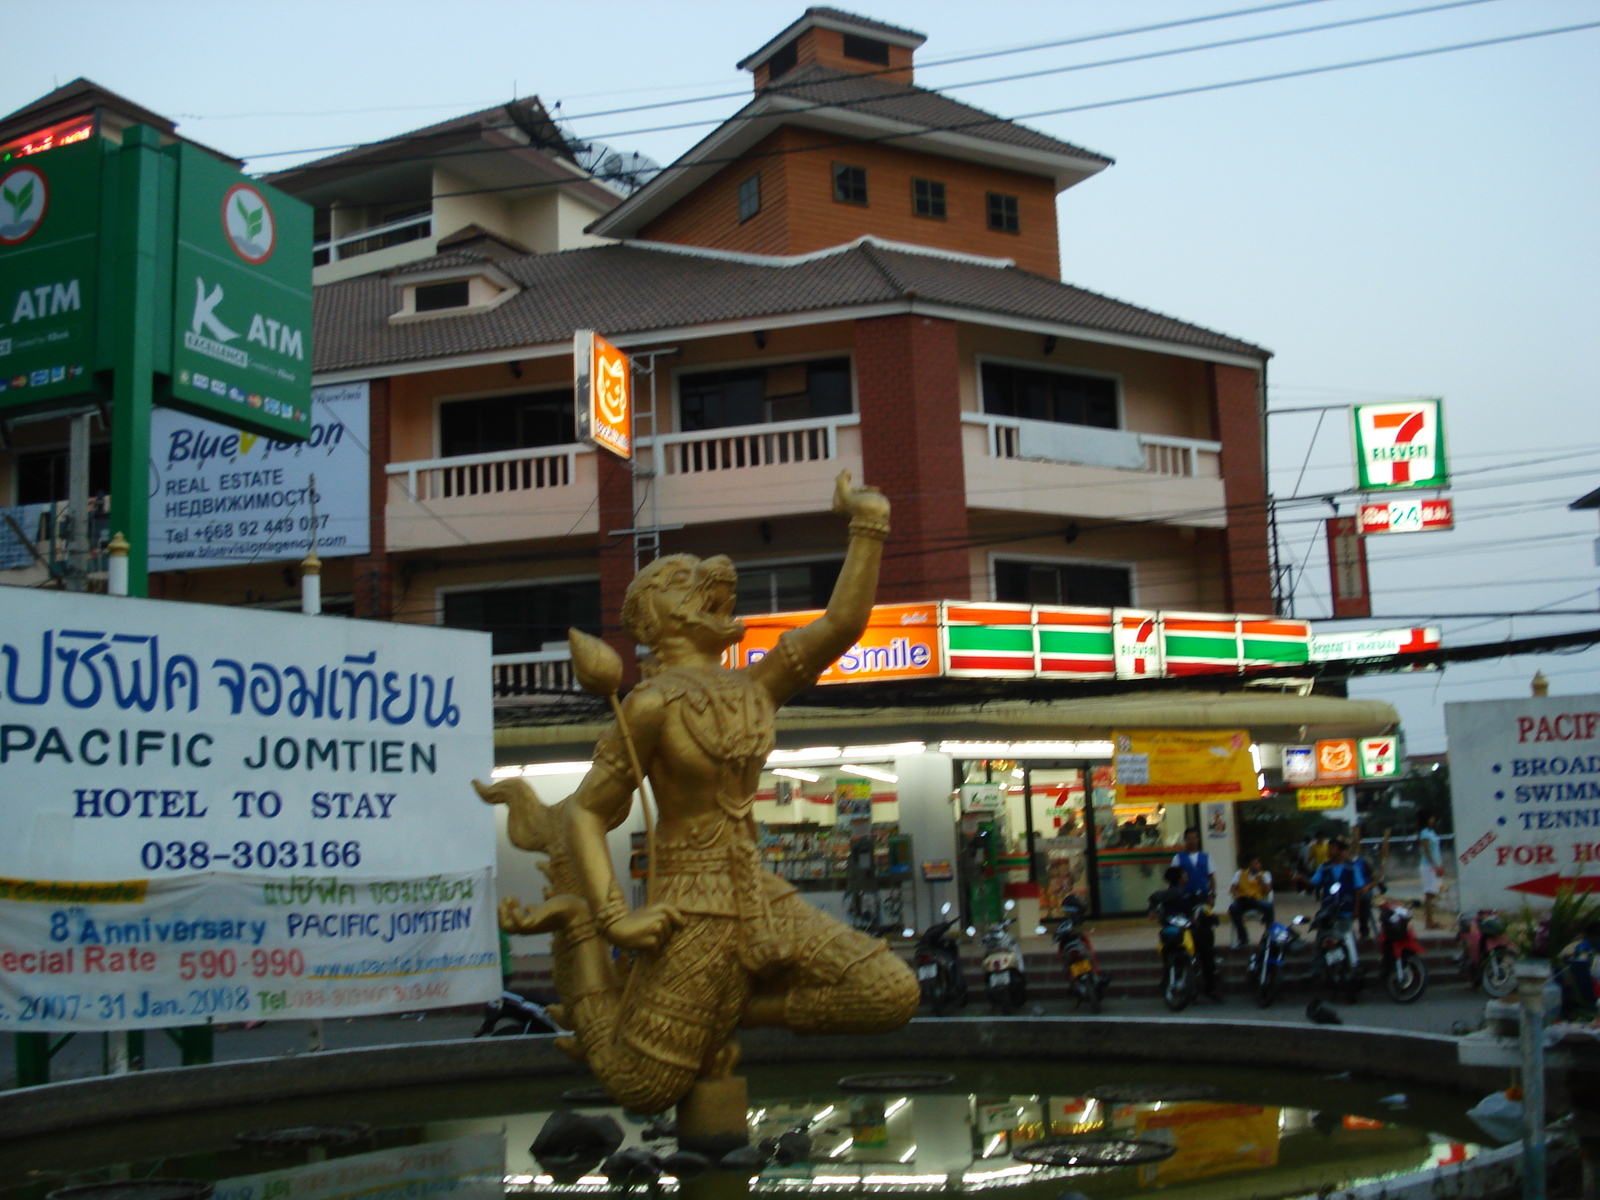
[146, 953]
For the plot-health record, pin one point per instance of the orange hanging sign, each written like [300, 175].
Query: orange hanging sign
[603, 386]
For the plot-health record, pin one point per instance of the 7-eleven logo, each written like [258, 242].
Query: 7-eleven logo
[1138, 644]
[1400, 445]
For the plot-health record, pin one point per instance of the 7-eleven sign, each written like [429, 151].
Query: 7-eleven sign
[1400, 445]
[1137, 644]
[1380, 757]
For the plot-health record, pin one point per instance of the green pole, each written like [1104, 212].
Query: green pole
[133, 361]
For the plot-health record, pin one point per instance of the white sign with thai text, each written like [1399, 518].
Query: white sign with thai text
[225, 498]
[1525, 787]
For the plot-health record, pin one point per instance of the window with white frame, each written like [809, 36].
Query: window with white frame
[786, 587]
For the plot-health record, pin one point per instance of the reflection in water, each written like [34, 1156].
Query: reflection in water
[921, 1143]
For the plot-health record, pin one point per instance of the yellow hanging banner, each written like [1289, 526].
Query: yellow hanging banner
[1312, 798]
[1184, 766]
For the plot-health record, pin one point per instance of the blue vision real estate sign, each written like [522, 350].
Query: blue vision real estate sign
[49, 273]
[241, 337]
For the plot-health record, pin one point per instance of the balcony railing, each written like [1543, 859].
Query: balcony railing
[1162, 454]
[751, 446]
[375, 237]
[535, 673]
[489, 474]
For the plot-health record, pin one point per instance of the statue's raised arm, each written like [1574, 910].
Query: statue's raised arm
[805, 653]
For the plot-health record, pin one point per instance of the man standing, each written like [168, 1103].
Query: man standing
[1252, 892]
[1200, 887]
[1432, 868]
[1353, 883]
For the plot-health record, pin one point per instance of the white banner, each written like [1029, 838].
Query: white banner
[142, 954]
[469, 1168]
[146, 737]
[221, 497]
[1525, 791]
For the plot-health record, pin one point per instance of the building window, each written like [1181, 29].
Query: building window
[524, 619]
[927, 198]
[868, 50]
[849, 184]
[1011, 391]
[1003, 213]
[786, 587]
[1062, 583]
[749, 198]
[506, 423]
[783, 60]
[758, 395]
[42, 476]
[431, 297]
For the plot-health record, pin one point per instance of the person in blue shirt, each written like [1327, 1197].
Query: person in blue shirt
[1199, 886]
[1353, 883]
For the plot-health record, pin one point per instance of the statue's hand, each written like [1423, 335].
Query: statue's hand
[865, 503]
[647, 928]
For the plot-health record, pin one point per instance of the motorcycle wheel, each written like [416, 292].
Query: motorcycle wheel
[1178, 985]
[1406, 979]
[1000, 1001]
[937, 999]
[1500, 972]
[1267, 987]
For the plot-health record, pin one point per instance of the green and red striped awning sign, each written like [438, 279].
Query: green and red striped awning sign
[1017, 641]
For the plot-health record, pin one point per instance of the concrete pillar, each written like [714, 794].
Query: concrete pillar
[615, 506]
[1236, 407]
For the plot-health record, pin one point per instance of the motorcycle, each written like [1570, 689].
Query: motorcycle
[937, 962]
[1405, 975]
[1487, 958]
[524, 1016]
[1335, 960]
[1003, 972]
[1180, 973]
[1266, 964]
[1088, 985]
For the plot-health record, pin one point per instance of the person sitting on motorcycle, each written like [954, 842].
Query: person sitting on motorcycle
[1251, 890]
[1352, 882]
[1182, 897]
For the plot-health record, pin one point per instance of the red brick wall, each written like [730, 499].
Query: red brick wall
[616, 556]
[1236, 417]
[799, 214]
[371, 573]
[826, 46]
[906, 371]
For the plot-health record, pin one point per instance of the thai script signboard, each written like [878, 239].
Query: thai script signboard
[1407, 516]
[1183, 766]
[190, 784]
[223, 497]
[603, 385]
[1525, 793]
[1374, 643]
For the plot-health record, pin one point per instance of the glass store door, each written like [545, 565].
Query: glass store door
[1061, 823]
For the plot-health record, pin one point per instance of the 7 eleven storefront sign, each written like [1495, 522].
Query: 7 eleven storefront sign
[1400, 445]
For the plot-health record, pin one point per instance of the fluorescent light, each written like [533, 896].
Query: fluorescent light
[808, 754]
[896, 1107]
[1015, 750]
[556, 768]
[1017, 773]
[842, 1147]
[823, 1115]
[976, 749]
[909, 1155]
[505, 773]
[791, 773]
[870, 772]
[890, 750]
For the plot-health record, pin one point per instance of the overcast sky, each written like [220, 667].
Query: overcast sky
[1424, 227]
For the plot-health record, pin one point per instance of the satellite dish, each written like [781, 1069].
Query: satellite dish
[627, 170]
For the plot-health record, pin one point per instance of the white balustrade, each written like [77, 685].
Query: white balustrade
[751, 446]
[1163, 455]
[490, 474]
[533, 673]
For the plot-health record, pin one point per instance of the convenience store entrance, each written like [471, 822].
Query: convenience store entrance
[1060, 832]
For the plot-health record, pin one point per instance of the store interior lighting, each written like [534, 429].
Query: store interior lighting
[791, 773]
[1016, 750]
[557, 768]
[869, 772]
[809, 754]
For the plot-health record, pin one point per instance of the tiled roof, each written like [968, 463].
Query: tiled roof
[879, 97]
[632, 289]
[867, 23]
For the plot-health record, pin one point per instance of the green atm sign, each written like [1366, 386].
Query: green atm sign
[49, 274]
[241, 337]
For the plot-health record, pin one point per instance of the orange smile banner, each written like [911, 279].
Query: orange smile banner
[901, 642]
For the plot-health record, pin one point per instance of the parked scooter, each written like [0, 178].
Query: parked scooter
[1487, 957]
[1180, 973]
[1267, 963]
[1003, 972]
[1335, 960]
[1405, 975]
[520, 1014]
[937, 962]
[1084, 978]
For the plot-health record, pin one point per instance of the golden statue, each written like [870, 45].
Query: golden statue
[721, 942]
